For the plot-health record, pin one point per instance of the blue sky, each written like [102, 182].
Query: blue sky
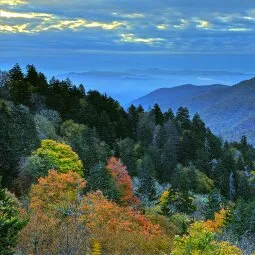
[80, 35]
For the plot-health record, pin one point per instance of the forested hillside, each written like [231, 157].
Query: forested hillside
[227, 110]
[80, 175]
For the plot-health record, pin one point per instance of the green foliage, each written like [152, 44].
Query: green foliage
[242, 219]
[101, 179]
[127, 154]
[11, 222]
[18, 137]
[19, 89]
[202, 239]
[214, 203]
[60, 155]
[180, 202]
[51, 155]
[159, 117]
[191, 179]
[146, 177]
[86, 143]
[181, 221]
[183, 118]
[157, 148]
[45, 128]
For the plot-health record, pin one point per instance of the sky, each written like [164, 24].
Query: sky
[61, 36]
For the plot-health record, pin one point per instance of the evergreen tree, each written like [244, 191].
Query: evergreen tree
[169, 152]
[159, 117]
[127, 155]
[183, 118]
[19, 88]
[32, 76]
[198, 132]
[10, 222]
[18, 138]
[101, 179]
[169, 115]
[186, 153]
[214, 203]
[133, 116]
[146, 177]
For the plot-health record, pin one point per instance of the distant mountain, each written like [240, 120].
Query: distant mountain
[228, 110]
[128, 85]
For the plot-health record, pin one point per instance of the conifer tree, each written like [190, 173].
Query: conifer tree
[11, 222]
[101, 179]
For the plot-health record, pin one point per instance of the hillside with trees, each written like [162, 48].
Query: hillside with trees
[227, 110]
[81, 175]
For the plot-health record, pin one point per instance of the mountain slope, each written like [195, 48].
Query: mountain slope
[228, 110]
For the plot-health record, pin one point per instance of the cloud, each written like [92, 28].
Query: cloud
[76, 25]
[131, 38]
[39, 22]
[129, 15]
[203, 24]
[12, 2]
[162, 26]
[14, 29]
[182, 25]
[239, 29]
[29, 15]
[128, 26]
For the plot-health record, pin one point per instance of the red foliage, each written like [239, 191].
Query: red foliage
[123, 181]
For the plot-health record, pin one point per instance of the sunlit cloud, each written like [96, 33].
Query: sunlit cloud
[14, 29]
[131, 38]
[77, 24]
[112, 25]
[12, 2]
[28, 15]
[162, 26]
[203, 24]
[47, 22]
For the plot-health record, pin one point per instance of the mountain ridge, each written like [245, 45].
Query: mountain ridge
[224, 108]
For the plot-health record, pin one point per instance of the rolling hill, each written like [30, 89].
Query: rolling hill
[228, 110]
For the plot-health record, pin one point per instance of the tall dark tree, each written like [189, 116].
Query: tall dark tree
[32, 76]
[183, 118]
[19, 88]
[159, 117]
[146, 176]
[101, 179]
[169, 115]
[18, 138]
[11, 222]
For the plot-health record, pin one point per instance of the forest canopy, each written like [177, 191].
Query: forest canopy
[126, 181]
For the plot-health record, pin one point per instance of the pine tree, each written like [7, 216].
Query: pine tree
[10, 222]
[183, 118]
[101, 179]
[146, 177]
[32, 76]
[18, 138]
[159, 117]
[169, 115]
[19, 88]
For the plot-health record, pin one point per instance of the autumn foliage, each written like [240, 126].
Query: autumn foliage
[202, 240]
[54, 225]
[123, 181]
[60, 155]
[64, 221]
